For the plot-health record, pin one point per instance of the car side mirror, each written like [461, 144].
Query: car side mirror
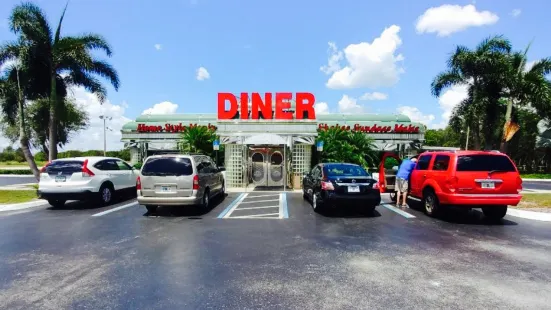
[221, 169]
[395, 168]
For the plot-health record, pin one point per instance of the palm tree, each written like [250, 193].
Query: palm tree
[57, 62]
[12, 100]
[526, 86]
[197, 139]
[483, 70]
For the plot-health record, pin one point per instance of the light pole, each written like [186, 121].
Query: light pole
[104, 118]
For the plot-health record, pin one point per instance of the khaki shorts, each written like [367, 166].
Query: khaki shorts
[401, 185]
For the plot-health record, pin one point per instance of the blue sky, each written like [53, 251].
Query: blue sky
[259, 46]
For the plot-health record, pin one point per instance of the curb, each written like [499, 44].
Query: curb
[537, 180]
[16, 176]
[531, 215]
[24, 205]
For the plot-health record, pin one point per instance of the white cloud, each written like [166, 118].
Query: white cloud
[4, 143]
[165, 107]
[529, 65]
[374, 96]
[321, 108]
[7, 64]
[368, 65]
[349, 105]
[202, 74]
[451, 98]
[447, 19]
[158, 46]
[416, 115]
[516, 12]
[92, 137]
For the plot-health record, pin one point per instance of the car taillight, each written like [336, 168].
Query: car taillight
[519, 184]
[451, 183]
[327, 186]
[195, 182]
[375, 185]
[45, 166]
[138, 184]
[85, 171]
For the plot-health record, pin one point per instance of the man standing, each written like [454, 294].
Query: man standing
[402, 178]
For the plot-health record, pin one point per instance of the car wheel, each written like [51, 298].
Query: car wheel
[56, 203]
[316, 204]
[206, 200]
[151, 209]
[393, 196]
[304, 195]
[495, 212]
[431, 205]
[105, 194]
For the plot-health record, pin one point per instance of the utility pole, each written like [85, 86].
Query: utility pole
[104, 118]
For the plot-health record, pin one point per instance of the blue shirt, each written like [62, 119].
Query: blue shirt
[405, 169]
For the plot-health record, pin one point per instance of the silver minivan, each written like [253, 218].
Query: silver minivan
[179, 180]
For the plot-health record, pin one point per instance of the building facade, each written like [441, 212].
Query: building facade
[267, 152]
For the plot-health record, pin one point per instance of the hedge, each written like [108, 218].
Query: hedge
[16, 171]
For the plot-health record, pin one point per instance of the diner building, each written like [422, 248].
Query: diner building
[267, 152]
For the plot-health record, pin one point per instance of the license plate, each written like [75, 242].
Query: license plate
[353, 189]
[488, 185]
[60, 178]
[165, 189]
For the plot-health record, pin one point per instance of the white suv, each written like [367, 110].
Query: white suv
[82, 178]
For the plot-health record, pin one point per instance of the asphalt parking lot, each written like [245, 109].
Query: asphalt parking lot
[271, 252]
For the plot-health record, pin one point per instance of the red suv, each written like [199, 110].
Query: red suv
[470, 179]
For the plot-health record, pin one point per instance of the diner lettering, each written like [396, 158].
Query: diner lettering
[375, 128]
[269, 106]
[170, 128]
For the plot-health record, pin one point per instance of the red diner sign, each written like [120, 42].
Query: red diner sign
[269, 106]
[170, 128]
[375, 128]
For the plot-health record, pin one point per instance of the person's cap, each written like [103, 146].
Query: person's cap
[414, 159]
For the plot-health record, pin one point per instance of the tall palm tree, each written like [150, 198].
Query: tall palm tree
[57, 62]
[482, 70]
[526, 86]
[13, 104]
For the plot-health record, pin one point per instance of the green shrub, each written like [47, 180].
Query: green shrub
[137, 166]
[40, 156]
[16, 172]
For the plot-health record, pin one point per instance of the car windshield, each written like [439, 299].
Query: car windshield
[485, 163]
[65, 166]
[173, 166]
[334, 170]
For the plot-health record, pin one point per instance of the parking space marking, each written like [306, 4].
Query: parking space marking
[265, 207]
[270, 195]
[232, 205]
[283, 211]
[255, 201]
[116, 209]
[401, 212]
[258, 216]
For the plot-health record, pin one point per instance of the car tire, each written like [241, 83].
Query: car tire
[105, 194]
[151, 209]
[205, 201]
[316, 204]
[223, 190]
[394, 196]
[431, 206]
[495, 212]
[56, 203]
[304, 195]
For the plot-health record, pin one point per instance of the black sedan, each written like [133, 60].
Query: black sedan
[340, 184]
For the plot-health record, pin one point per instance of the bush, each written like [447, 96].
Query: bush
[40, 156]
[137, 166]
[16, 172]
[390, 162]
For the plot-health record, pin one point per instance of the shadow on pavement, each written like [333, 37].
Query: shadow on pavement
[90, 204]
[472, 217]
[192, 212]
[349, 213]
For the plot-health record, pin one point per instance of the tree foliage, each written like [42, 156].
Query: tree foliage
[347, 146]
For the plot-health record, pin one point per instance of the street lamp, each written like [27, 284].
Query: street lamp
[104, 118]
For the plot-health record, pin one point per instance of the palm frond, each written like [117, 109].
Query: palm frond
[105, 70]
[58, 30]
[445, 80]
[28, 20]
[493, 44]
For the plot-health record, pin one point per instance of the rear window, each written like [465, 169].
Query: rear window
[65, 166]
[336, 170]
[174, 166]
[484, 163]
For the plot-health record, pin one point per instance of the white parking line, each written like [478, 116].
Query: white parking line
[401, 212]
[260, 201]
[116, 209]
[256, 196]
[258, 216]
[230, 211]
[252, 208]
